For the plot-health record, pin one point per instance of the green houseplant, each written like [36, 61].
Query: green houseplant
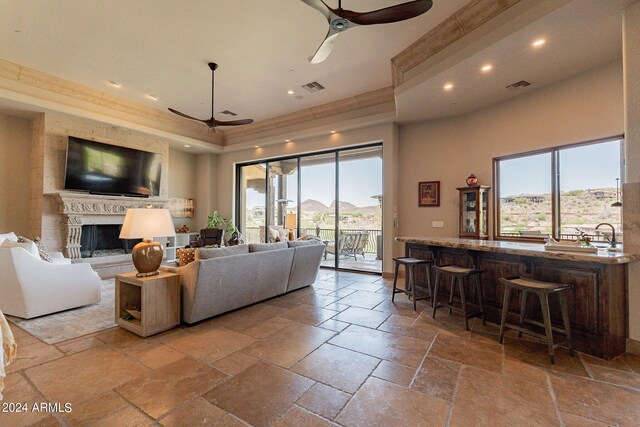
[217, 221]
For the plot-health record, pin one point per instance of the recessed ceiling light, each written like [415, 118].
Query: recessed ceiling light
[287, 140]
[538, 43]
[448, 86]
[115, 84]
[153, 97]
[333, 131]
[256, 146]
[486, 68]
[186, 146]
[290, 92]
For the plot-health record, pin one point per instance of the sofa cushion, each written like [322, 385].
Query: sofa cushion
[209, 253]
[264, 247]
[8, 236]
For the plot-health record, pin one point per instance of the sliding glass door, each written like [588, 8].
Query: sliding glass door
[318, 195]
[251, 193]
[360, 209]
[283, 199]
[296, 197]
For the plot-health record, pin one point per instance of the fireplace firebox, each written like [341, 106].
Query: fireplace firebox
[103, 240]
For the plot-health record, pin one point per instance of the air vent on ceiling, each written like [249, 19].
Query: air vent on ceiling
[228, 113]
[518, 85]
[313, 87]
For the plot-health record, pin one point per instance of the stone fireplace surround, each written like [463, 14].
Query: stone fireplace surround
[78, 209]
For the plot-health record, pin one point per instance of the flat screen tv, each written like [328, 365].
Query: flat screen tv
[108, 169]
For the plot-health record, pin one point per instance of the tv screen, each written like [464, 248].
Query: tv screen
[109, 169]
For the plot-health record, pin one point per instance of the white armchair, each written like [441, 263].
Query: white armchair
[30, 287]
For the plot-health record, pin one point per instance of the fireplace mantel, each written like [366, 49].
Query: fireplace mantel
[78, 209]
[70, 203]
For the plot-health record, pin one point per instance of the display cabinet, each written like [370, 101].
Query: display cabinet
[474, 212]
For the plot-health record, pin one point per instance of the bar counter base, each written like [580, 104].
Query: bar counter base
[597, 300]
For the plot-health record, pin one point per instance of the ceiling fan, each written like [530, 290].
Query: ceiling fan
[341, 20]
[212, 122]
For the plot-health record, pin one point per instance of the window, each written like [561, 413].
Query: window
[564, 191]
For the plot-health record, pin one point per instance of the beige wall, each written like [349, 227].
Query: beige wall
[182, 181]
[583, 108]
[15, 159]
[207, 188]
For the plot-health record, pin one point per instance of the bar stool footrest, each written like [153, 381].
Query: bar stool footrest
[459, 310]
[553, 328]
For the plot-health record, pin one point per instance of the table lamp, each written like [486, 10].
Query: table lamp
[145, 224]
[291, 222]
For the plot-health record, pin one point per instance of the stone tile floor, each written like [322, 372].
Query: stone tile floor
[337, 353]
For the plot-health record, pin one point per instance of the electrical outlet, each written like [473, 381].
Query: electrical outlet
[437, 224]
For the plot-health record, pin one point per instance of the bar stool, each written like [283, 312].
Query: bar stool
[409, 265]
[458, 274]
[543, 290]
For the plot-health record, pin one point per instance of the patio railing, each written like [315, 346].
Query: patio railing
[252, 234]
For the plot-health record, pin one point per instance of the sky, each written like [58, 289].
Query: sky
[589, 166]
[359, 180]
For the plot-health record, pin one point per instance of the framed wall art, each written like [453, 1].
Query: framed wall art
[429, 193]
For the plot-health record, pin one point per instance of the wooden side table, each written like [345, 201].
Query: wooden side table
[158, 298]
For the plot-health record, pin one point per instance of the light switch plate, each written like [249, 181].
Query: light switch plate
[437, 224]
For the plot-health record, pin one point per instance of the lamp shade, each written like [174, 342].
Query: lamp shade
[146, 223]
[290, 221]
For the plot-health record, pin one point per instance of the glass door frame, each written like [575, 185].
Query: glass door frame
[266, 162]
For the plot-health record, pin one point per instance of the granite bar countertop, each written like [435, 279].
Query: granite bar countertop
[523, 249]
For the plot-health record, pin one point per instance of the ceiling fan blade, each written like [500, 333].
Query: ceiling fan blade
[320, 6]
[326, 47]
[186, 116]
[399, 12]
[232, 122]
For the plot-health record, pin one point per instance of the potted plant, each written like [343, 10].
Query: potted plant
[217, 221]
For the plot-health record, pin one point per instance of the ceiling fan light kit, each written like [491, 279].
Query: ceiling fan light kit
[212, 123]
[341, 20]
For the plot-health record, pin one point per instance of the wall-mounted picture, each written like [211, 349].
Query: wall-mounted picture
[429, 193]
[182, 208]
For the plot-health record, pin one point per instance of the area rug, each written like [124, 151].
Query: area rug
[62, 326]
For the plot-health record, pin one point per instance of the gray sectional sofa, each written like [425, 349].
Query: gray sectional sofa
[224, 279]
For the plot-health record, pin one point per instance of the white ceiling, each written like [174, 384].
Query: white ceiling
[161, 47]
[581, 35]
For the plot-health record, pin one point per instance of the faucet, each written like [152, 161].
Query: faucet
[613, 233]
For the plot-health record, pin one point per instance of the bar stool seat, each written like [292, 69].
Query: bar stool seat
[409, 265]
[458, 274]
[543, 290]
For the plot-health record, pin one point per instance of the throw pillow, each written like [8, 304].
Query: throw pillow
[185, 256]
[29, 246]
[274, 235]
[263, 247]
[42, 251]
[8, 236]
[32, 248]
[210, 253]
